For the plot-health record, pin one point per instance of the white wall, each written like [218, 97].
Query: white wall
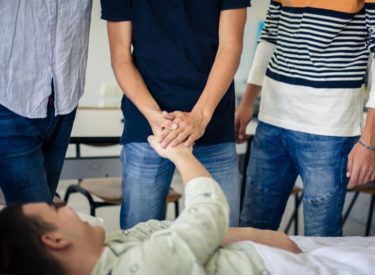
[256, 13]
[99, 69]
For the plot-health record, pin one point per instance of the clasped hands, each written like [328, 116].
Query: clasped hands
[174, 128]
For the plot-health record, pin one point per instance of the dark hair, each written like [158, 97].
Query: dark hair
[21, 249]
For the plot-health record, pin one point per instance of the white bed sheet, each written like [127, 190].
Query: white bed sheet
[337, 256]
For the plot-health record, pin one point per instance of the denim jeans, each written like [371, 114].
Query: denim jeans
[278, 156]
[147, 178]
[32, 153]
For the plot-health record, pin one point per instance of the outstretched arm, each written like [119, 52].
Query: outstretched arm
[267, 237]
[203, 224]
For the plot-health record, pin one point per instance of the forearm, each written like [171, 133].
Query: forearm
[237, 234]
[134, 87]
[227, 60]
[188, 166]
[266, 237]
[249, 98]
[219, 80]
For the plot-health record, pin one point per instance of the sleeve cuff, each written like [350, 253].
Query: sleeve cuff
[262, 57]
[115, 17]
[235, 5]
[371, 99]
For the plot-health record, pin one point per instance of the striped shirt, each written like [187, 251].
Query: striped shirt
[43, 41]
[315, 55]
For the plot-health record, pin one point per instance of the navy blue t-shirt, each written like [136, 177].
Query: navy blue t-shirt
[175, 44]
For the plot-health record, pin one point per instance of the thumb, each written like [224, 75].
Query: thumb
[169, 116]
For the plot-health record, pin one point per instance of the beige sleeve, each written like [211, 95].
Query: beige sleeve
[190, 241]
[371, 98]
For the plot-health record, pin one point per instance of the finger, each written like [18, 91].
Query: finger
[168, 139]
[163, 134]
[242, 132]
[156, 146]
[190, 141]
[349, 166]
[169, 116]
[361, 176]
[367, 177]
[180, 138]
[372, 178]
[176, 114]
[353, 176]
[152, 140]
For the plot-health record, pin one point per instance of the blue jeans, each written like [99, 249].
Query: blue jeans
[278, 156]
[147, 178]
[32, 153]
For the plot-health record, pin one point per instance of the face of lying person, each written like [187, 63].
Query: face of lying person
[66, 222]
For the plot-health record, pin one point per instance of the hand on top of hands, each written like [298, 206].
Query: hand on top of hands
[181, 128]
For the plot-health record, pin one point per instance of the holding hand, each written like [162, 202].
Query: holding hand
[190, 127]
[161, 123]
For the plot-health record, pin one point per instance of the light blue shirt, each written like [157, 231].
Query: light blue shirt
[43, 41]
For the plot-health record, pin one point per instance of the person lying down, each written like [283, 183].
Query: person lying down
[40, 239]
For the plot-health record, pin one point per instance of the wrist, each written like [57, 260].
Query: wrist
[180, 155]
[368, 147]
[149, 112]
[203, 115]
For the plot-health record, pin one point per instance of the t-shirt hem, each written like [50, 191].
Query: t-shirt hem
[211, 141]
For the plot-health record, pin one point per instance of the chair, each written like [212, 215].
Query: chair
[366, 189]
[297, 192]
[109, 190]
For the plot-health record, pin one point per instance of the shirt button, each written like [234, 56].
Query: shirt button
[207, 195]
[193, 210]
[134, 268]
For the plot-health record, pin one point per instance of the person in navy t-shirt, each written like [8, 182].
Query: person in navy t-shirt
[175, 61]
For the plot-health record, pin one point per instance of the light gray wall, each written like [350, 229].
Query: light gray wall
[256, 13]
[99, 69]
